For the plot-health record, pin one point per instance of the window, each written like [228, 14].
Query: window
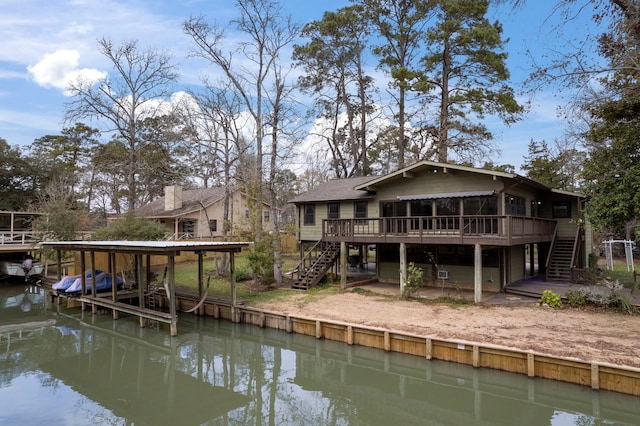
[448, 207]
[480, 206]
[333, 210]
[309, 214]
[213, 225]
[393, 209]
[515, 205]
[188, 228]
[360, 209]
[266, 216]
[561, 209]
[421, 208]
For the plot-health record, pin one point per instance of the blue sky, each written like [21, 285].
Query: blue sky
[42, 42]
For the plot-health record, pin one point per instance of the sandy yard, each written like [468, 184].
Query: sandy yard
[587, 335]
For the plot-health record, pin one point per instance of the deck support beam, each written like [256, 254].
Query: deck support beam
[477, 274]
[343, 265]
[403, 268]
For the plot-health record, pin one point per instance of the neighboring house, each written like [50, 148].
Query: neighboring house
[465, 227]
[199, 213]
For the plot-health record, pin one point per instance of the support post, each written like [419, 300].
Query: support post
[232, 277]
[114, 282]
[200, 310]
[139, 272]
[477, 275]
[172, 295]
[343, 265]
[403, 268]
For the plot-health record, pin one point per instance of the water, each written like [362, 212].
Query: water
[65, 367]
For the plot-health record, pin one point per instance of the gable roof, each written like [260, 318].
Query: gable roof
[426, 165]
[364, 188]
[337, 190]
[446, 167]
[192, 201]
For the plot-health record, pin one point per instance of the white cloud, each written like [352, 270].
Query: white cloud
[58, 69]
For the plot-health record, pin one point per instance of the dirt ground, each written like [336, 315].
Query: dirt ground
[586, 335]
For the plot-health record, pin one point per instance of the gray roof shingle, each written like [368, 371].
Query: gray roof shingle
[336, 190]
[191, 199]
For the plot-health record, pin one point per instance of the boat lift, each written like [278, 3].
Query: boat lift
[140, 249]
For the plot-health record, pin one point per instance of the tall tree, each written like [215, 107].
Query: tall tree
[612, 171]
[334, 73]
[68, 156]
[465, 63]
[20, 178]
[401, 25]
[136, 90]
[254, 74]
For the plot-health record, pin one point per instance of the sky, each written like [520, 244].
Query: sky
[44, 43]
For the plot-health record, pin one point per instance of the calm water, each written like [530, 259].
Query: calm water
[62, 367]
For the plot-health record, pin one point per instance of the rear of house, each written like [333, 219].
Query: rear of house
[191, 214]
[465, 227]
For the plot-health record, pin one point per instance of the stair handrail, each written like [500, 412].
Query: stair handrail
[549, 255]
[320, 259]
[302, 264]
[576, 244]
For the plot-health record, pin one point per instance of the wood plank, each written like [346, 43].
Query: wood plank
[130, 309]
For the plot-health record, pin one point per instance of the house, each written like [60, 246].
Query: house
[199, 213]
[465, 227]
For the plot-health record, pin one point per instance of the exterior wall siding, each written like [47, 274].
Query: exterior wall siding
[517, 267]
[459, 276]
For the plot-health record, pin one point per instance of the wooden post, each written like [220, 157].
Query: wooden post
[114, 282]
[232, 277]
[343, 265]
[92, 264]
[172, 295]
[83, 277]
[595, 376]
[141, 290]
[200, 310]
[477, 275]
[137, 259]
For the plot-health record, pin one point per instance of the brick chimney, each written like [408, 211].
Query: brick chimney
[172, 197]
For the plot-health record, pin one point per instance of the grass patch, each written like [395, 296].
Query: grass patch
[186, 276]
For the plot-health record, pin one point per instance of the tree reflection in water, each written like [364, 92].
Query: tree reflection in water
[80, 366]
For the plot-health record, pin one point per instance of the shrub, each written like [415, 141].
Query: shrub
[551, 299]
[132, 228]
[576, 298]
[414, 279]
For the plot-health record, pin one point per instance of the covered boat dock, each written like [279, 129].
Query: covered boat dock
[142, 251]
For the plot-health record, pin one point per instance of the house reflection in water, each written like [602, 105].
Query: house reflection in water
[218, 372]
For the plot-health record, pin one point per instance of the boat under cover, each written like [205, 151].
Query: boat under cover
[73, 283]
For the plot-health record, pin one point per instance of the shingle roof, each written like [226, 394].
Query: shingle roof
[191, 201]
[336, 190]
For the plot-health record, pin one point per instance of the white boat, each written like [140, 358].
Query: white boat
[20, 265]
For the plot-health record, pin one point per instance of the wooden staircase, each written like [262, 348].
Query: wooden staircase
[560, 260]
[315, 264]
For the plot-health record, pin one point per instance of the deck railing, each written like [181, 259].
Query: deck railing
[18, 237]
[491, 226]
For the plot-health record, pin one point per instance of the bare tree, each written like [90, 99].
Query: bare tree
[215, 128]
[136, 91]
[253, 70]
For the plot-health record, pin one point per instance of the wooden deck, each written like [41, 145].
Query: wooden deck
[486, 230]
